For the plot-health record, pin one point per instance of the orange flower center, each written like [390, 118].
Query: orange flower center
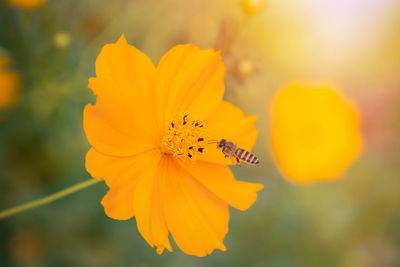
[185, 138]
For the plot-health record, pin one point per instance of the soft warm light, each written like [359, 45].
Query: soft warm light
[9, 83]
[27, 4]
[253, 6]
[315, 131]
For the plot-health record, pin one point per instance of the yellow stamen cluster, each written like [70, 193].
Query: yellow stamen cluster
[185, 138]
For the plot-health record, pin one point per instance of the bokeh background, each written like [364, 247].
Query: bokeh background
[353, 221]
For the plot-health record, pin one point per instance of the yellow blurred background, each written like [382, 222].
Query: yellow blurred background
[51, 47]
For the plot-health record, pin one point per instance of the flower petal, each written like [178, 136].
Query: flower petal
[229, 122]
[188, 80]
[122, 122]
[111, 134]
[219, 180]
[120, 175]
[148, 203]
[118, 202]
[196, 218]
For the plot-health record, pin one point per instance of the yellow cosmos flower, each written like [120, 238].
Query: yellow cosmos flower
[27, 4]
[9, 83]
[149, 131]
[315, 131]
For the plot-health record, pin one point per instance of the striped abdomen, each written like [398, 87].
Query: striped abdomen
[246, 156]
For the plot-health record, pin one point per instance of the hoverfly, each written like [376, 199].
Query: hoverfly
[231, 150]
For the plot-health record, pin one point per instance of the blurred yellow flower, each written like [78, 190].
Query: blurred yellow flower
[252, 6]
[315, 131]
[27, 4]
[10, 83]
[149, 132]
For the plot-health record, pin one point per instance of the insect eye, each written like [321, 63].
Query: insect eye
[221, 143]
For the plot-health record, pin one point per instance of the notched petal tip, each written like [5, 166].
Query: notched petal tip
[97, 85]
[183, 46]
[92, 83]
[122, 39]
[254, 117]
[160, 249]
[259, 187]
[221, 247]
[252, 195]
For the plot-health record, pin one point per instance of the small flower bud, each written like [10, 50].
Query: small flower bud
[62, 39]
[244, 68]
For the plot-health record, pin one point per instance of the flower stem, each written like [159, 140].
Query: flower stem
[48, 199]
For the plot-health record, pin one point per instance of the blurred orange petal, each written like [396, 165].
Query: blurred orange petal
[27, 4]
[10, 83]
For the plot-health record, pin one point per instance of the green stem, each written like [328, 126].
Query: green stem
[48, 199]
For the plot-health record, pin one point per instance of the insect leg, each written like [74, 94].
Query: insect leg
[238, 162]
